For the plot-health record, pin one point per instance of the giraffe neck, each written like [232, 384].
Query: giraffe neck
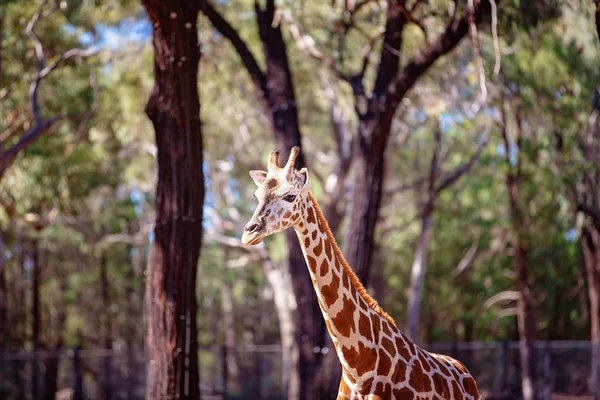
[353, 318]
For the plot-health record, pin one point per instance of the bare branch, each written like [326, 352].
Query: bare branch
[466, 261]
[507, 295]
[8, 157]
[464, 168]
[495, 37]
[227, 30]
[477, 50]
[455, 31]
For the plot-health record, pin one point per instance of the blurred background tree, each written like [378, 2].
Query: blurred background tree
[454, 150]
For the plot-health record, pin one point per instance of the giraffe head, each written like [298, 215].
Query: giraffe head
[280, 194]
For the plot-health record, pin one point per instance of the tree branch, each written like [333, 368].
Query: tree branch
[464, 168]
[227, 30]
[455, 31]
[8, 157]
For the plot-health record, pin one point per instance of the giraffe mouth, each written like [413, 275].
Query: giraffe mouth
[251, 238]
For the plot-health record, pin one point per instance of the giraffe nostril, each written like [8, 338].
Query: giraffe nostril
[251, 227]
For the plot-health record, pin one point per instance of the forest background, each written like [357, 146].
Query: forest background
[454, 147]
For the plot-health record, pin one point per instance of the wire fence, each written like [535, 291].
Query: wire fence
[565, 370]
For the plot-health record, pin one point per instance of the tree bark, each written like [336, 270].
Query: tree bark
[275, 91]
[106, 330]
[417, 277]
[375, 114]
[232, 376]
[173, 108]
[36, 318]
[525, 319]
[590, 242]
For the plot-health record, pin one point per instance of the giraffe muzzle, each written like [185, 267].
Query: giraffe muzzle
[252, 232]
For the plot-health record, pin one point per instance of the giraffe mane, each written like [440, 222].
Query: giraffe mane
[338, 252]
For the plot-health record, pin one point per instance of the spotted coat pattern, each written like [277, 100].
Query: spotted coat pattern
[378, 361]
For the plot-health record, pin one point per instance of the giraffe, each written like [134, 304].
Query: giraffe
[378, 361]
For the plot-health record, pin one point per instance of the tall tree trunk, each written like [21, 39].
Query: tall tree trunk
[106, 330]
[52, 363]
[525, 319]
[417, 277]
[36, 322]
[590, 243]
[275, 91]
[173, 108]
[232, 377]
[3, 296]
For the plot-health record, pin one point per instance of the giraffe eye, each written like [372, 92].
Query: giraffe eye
[290, 198]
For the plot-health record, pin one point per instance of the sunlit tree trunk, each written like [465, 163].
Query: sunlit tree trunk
[106, 329]
[274, 90]
[232, 378]
[173, 108]
[525, 319]
[590, 242]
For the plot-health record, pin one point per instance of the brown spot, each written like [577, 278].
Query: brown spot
[385, 363]
[439, 382]
[443, 368]
[295, 217]
[364, 327]
[366, 386]
[375, 323]
[311, 216]
[314, 235]
[470, 386]
[271, 183]
[344, 320]
[330, 292]
[318, 248]
[328, 250]
[399, 372]
[306, 242]
[404, 394]
[417, 379]
[323, 269]
[350, 354]
[287, 214]
[402, 350]
[388, 345]
[312, 264]
[346, 280]
[383, 390]
[304, 232]
[366, 361]
[386, 328]
[456, 391]
[424, 362]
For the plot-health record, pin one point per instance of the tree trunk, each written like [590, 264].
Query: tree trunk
[173, 108]
[590, 242]
[106, 330]
[525, 319]
[232, 377]
[3, 296]
[417, 277]
[280, 280]
[309, 326]
[36, 323]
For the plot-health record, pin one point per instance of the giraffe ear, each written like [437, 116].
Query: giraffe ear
[258, 176]
[305, 178]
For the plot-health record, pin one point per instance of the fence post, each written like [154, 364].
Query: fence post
[77, 384]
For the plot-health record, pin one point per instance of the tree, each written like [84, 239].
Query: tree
[173, 108]
[432, 187]
[274, 89]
